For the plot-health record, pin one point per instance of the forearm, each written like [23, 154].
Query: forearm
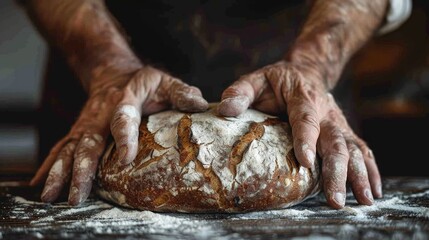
[89, 38]
[333, 32]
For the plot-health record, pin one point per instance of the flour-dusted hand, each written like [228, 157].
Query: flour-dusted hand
[118, 108]
[317, 124]
[120, 90]
[300, 84]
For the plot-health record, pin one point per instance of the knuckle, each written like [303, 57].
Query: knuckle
[75, 134]
[186, 90]
[336, 161]
[358, 171]
[307, 118]
[91, 139]
[126, 112]
[339, 148]
[280, 76]
[355, 154]
[340, 157]
[364, 149]
[231, 91]
[357, 167]
[68, 149]
[334, 132]
[306, 92]
[80, 154]
[119, 121]
[332, 114]
[302, 89]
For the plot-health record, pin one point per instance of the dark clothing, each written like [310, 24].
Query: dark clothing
[209, 44]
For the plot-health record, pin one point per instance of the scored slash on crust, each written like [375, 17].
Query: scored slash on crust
[189, 151]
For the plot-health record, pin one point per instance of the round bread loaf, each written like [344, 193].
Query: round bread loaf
[202, 162]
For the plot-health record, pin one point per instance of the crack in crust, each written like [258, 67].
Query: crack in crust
[256, 131]
[188, 151]
[240, 147]
[146, 149]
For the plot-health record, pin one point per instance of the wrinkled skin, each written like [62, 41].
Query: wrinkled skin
[118, 109]
[298, 85]
[317, 124]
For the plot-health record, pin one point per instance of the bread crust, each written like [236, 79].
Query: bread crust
[202, 162]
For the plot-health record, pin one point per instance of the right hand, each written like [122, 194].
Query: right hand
[119, 104]
[317, 123]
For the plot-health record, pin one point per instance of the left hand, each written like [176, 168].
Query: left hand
[317, 123]
[118, 102]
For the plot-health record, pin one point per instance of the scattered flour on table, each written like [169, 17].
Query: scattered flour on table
[103, 218]
[354, 212]
[71, 211]
[126, 216]
[314, 237]
[292, 213]
[148, 221]
[421, 194]
[125, 221]
[98, 217]
[22, 200]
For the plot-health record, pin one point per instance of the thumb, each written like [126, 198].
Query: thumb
[241, 94]
[125, 131]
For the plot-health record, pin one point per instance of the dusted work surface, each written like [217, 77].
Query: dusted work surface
[403, 213]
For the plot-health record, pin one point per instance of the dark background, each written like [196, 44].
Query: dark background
[384, 92]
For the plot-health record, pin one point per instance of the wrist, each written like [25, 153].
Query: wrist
[89, 38]
[112, 74]
[333, 32]
[309, 54]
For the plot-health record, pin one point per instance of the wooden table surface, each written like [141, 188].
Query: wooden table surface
[403, 213]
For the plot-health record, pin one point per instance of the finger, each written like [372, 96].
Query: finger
[43, 170]
[241, 94]
[86, 157]
[59, 173]
[358, 175]
[371, 166]
[125, 131]
[184, 97]
[305, 126]
[334, 153]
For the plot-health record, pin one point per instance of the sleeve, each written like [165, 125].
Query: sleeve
[399, 11]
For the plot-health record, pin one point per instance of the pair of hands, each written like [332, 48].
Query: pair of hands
[318, 126]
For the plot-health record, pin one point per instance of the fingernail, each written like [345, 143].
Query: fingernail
[43, 196]
[47, 196]
[199, 104]
[339, 198]
[370, 154]
[368, 195]
[379, 190]
[74, 196]
[236, 100]
[310, 156]
[233, 106]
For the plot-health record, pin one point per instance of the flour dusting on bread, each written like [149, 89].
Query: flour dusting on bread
[202, 162]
